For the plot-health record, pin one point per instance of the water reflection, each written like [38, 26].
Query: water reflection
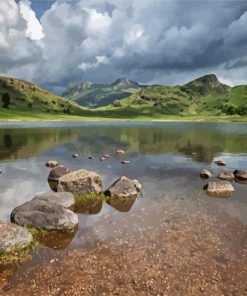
[121, 204]
[89, 207]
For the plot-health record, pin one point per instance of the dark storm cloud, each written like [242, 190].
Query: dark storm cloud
[148, 41]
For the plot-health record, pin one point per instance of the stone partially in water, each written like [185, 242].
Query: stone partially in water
[75, 155]
[220, 189]
[44, 214]
[13, 236]
[80, 182]
[55, 174]
[205, 174]
[52, 164]
[220, 162]
[240, 176]
[228, 176]
[123, 187]
[125, 161]
[64, 199]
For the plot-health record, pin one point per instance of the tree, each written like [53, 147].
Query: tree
[6, 100]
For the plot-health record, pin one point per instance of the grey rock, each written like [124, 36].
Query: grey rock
[124, 188]
[125, 162]
[75, 155]
[45, 215]
[55, 174]
[228, 176]
[240, 176]
[205, 174]
[80, 182]
[219, 189]
[13, 236]
[64, 199]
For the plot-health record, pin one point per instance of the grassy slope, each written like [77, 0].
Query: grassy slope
[153, 102]
[26, 96]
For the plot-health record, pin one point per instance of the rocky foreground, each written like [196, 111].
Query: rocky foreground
[176, 253]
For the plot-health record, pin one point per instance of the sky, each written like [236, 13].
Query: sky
[58, 42]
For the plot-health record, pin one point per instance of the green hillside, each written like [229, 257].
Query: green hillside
[92, 95]
[20, 95]
[204, 96]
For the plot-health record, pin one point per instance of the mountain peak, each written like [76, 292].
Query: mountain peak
[124, 83]
[206, 84]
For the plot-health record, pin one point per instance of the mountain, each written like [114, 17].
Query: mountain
[92, 95]
[205, 95]
[21, 95]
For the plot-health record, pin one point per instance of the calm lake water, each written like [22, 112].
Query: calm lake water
[165, 157]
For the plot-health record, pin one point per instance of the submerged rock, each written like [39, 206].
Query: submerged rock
[220, 189]
[205, 174]
[13, 236]
[228, 176]
[220, 162]
[89, 207]
[55, 174]
[80, 182]
[123, 187]
[102, 158]
[106, 155]
[45, 215]
[52, 164]
[240, 176]
[64, 199]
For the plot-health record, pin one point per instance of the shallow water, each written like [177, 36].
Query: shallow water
[165, 157]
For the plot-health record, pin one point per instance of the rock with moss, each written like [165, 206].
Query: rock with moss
[124, 188]
[13, 236]
[55, 174]
[64, 199]
[44, 214]
[80, 182]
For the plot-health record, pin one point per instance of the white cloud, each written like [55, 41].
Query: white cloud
[34, 28]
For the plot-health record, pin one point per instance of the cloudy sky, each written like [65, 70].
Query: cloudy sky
[56, 42]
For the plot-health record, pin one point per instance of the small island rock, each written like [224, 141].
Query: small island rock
[220, 189]
[120, 152]
[240, 176]
[52, 164]
[55, 174]
[75, 155]
[228, 176]
[220, 162]
[124, 188]
[205, 174]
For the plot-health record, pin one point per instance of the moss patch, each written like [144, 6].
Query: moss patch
[82, 198]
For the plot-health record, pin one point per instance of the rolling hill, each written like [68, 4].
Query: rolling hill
[20, 95]
[92, 95]
[205, 96]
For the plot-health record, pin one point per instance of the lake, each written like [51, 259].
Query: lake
[165, 157]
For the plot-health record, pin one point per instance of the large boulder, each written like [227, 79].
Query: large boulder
[64, 199]
[228, 176]
[240, 176]
[124, 188]
[220, 189]
[55, 174]
[13, 236]
[45, 215]
[121, 204]
[80, 182]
